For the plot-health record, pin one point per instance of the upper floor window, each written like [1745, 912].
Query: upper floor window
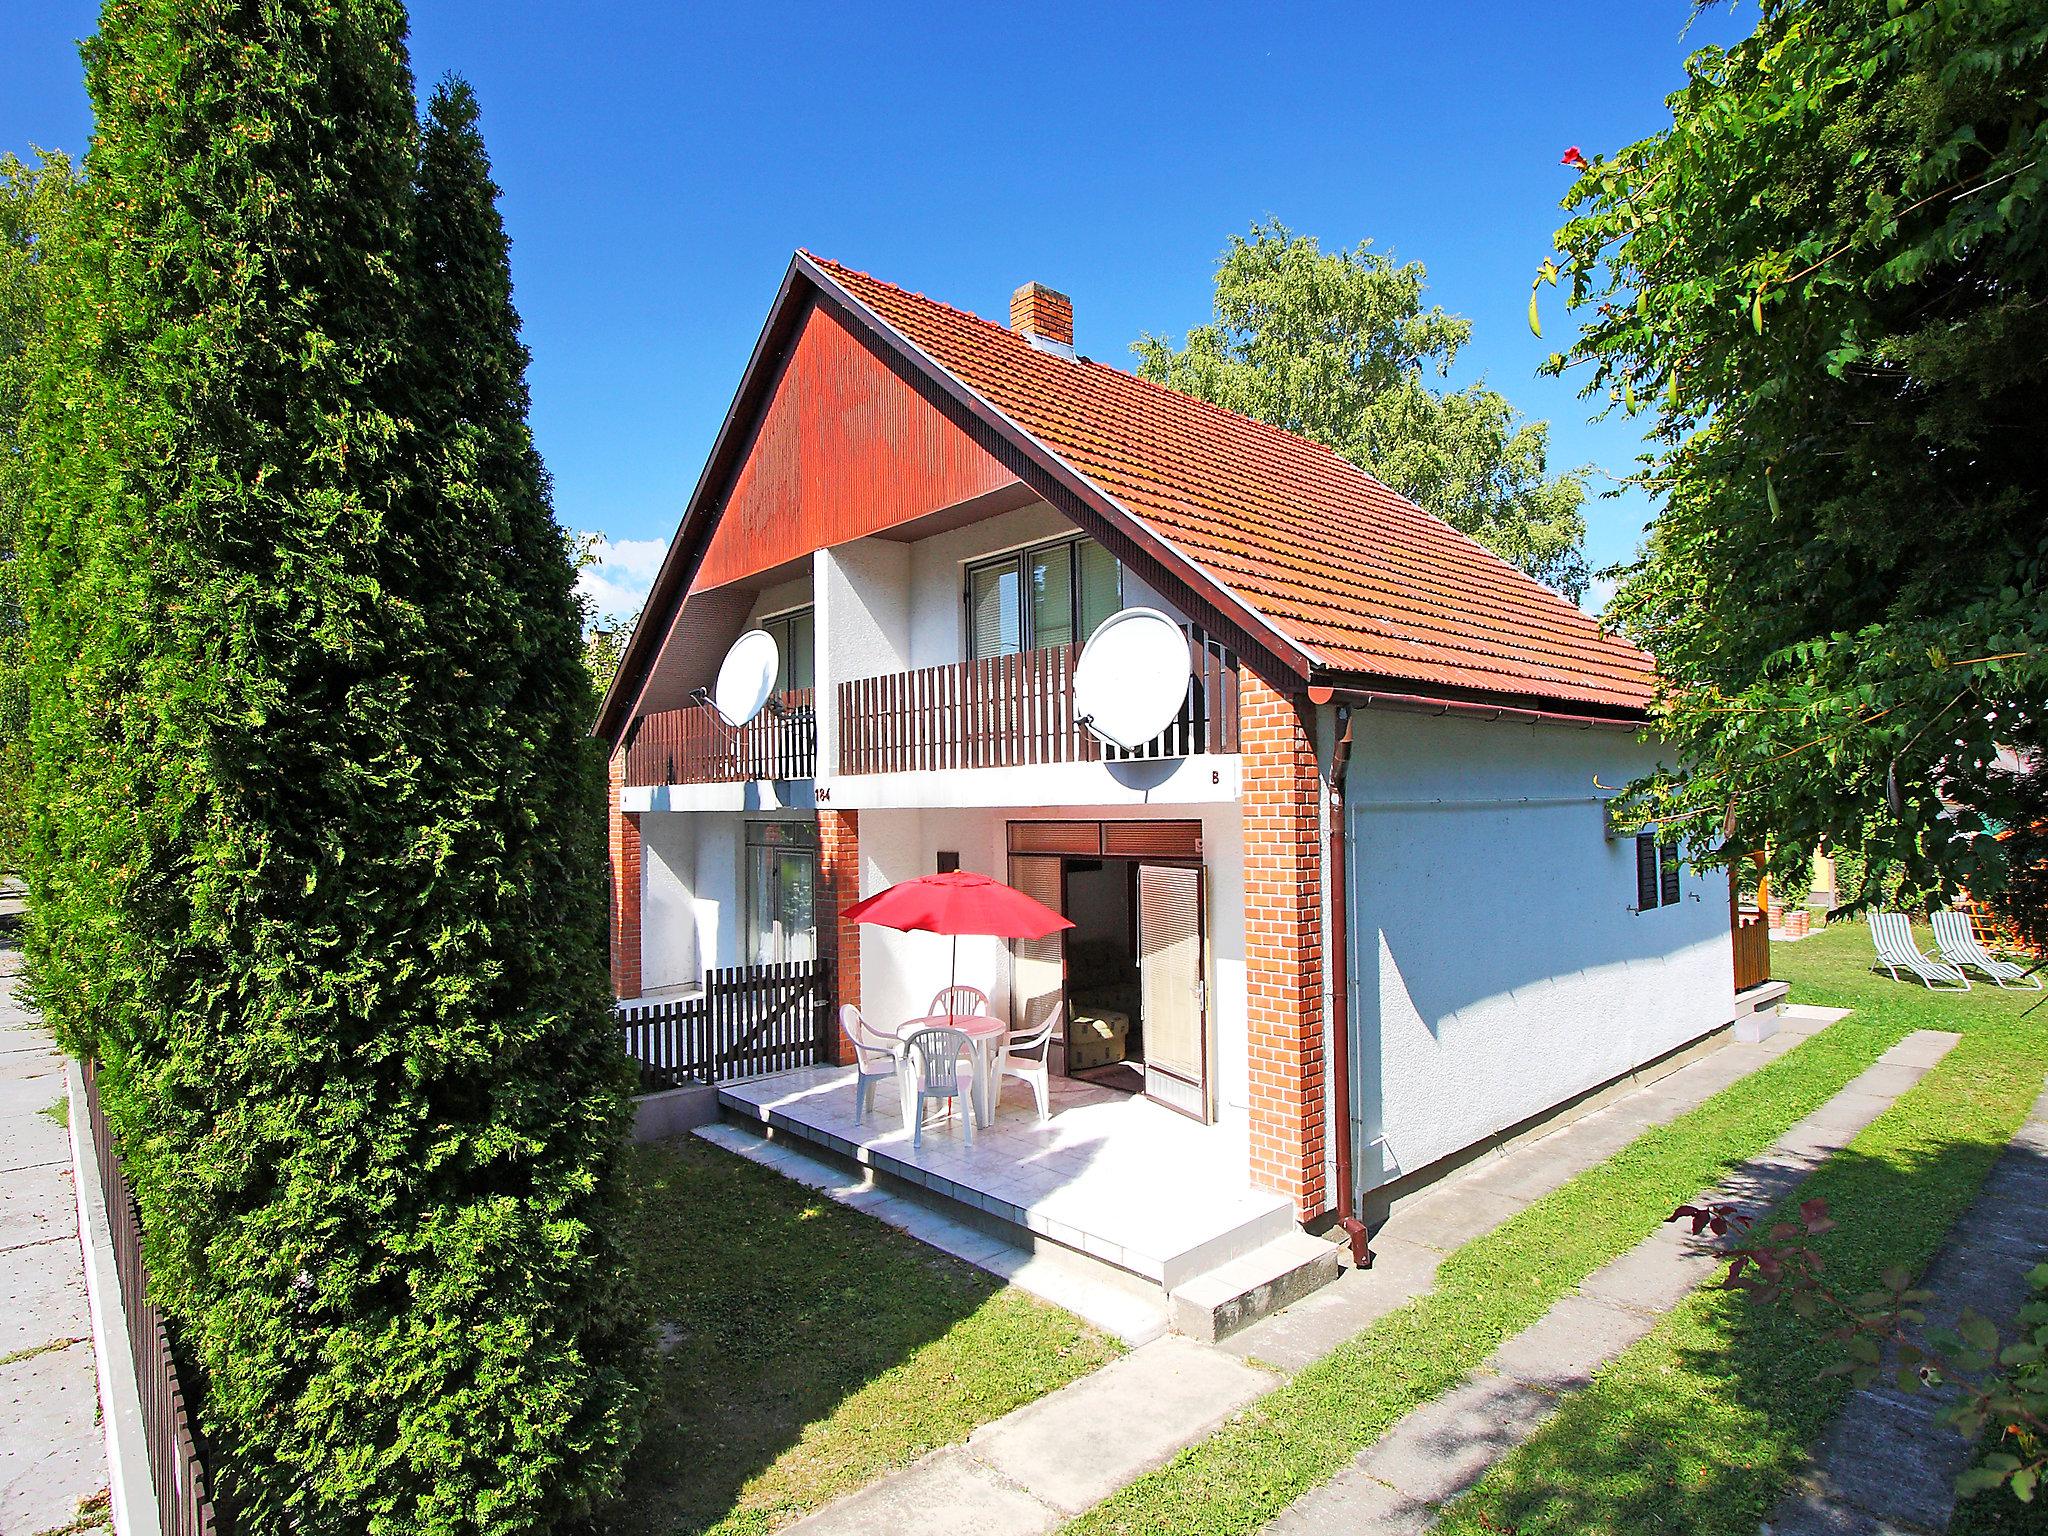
[1048, 595]
[1656, 872]
[795, 635]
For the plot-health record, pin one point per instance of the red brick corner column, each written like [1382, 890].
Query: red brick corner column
[1283, 944]
[624, 873]
[839, 874]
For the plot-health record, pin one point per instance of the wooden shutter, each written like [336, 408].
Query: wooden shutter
[1647, 885]
[1667, 885]
[1082, 837]
[1153, 839]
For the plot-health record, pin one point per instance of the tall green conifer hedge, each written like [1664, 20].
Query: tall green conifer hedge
[316, 867]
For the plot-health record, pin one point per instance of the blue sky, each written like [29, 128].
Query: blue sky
[660, 162]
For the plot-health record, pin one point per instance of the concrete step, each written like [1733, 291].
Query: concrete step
[1215, 1304]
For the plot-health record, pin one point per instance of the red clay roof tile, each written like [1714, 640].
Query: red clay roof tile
[1363, 579]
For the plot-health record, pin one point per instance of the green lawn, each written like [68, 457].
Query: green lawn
[1298, 1436]
[807, 1348]
[1700, 1427]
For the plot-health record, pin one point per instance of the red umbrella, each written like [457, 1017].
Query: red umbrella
[956, 902]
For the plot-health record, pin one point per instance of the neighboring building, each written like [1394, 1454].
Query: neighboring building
[1392, 733]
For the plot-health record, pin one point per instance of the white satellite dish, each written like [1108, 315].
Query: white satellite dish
[746, 677]
[1132, 678]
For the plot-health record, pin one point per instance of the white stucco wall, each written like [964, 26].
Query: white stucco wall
[863, 625]
[668, 920]
[1499, 966]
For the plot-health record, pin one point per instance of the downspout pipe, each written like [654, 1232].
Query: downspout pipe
[1338, 942]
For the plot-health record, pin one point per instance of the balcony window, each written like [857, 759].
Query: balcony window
[1038, 598]
[794, 634]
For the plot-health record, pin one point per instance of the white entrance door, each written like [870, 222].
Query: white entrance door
[1171, 972]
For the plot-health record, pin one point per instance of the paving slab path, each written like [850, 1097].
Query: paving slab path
[1036, 1467]
[53, 1462]
[1888, 1464]
[1395, 1486]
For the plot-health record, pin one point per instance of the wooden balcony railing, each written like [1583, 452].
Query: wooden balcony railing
[696, 746]
[1016, 711]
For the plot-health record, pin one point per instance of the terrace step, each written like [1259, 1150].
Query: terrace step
[1237, 1293]
[1094, 1292]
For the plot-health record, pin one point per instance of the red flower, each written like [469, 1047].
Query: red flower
[1573, 158]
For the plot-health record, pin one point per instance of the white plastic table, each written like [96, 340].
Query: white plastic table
[985, 1034]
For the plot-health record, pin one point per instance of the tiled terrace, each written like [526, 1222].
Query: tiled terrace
[1119, 1178]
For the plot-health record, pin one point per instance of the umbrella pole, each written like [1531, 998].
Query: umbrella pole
[952, 978]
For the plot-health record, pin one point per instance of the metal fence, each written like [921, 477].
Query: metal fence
[748, 1020]
[184, 1497]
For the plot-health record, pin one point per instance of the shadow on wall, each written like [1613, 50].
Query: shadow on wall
[1472, 904]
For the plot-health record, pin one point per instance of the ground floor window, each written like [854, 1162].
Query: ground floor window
[781, 886]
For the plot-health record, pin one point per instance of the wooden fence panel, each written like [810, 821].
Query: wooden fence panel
[185, 1505]
[748, 1020]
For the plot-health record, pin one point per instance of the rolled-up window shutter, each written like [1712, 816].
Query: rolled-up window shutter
[993, 616]
[1646, 872]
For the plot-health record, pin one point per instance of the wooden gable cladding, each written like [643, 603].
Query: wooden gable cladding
[844, 448]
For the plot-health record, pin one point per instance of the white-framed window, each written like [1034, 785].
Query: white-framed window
[1047, 595]
[795, 635]
[1656, 872]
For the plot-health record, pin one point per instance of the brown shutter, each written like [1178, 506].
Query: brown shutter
[1153, 839]
[1082, 837]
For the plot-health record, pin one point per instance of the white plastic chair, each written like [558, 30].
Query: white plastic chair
[1025, 1057]
[1959, 945]
[1896, 951]
[938, 1064]
[959, 1002]
[874, 1058]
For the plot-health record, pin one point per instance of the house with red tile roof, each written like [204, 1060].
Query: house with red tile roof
[1351, 917]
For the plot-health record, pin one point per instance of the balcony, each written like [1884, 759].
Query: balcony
[696, 746]
[1017, 711]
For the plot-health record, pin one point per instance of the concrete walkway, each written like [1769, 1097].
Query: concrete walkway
[1415, 1239]
[1889, 1463]
[1038, 1466]
[53, 1467]
[1395, 1486]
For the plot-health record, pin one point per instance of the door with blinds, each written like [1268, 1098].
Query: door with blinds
[1172, 979]
[1038, 967]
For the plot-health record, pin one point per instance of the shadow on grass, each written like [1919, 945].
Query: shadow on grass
[1702, 1426]
[806, 1348]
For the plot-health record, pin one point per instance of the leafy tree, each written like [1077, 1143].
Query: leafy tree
[1336, 346]
[316, 862]
[604, 634]
[1825, 285]
[31, 200]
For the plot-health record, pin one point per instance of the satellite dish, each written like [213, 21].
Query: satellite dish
[746, 677]
[1132, 678]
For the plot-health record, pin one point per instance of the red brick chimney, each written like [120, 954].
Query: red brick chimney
[1044, 317]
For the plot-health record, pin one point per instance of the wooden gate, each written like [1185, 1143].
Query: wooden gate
[749, 1020]
[1752, 935]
